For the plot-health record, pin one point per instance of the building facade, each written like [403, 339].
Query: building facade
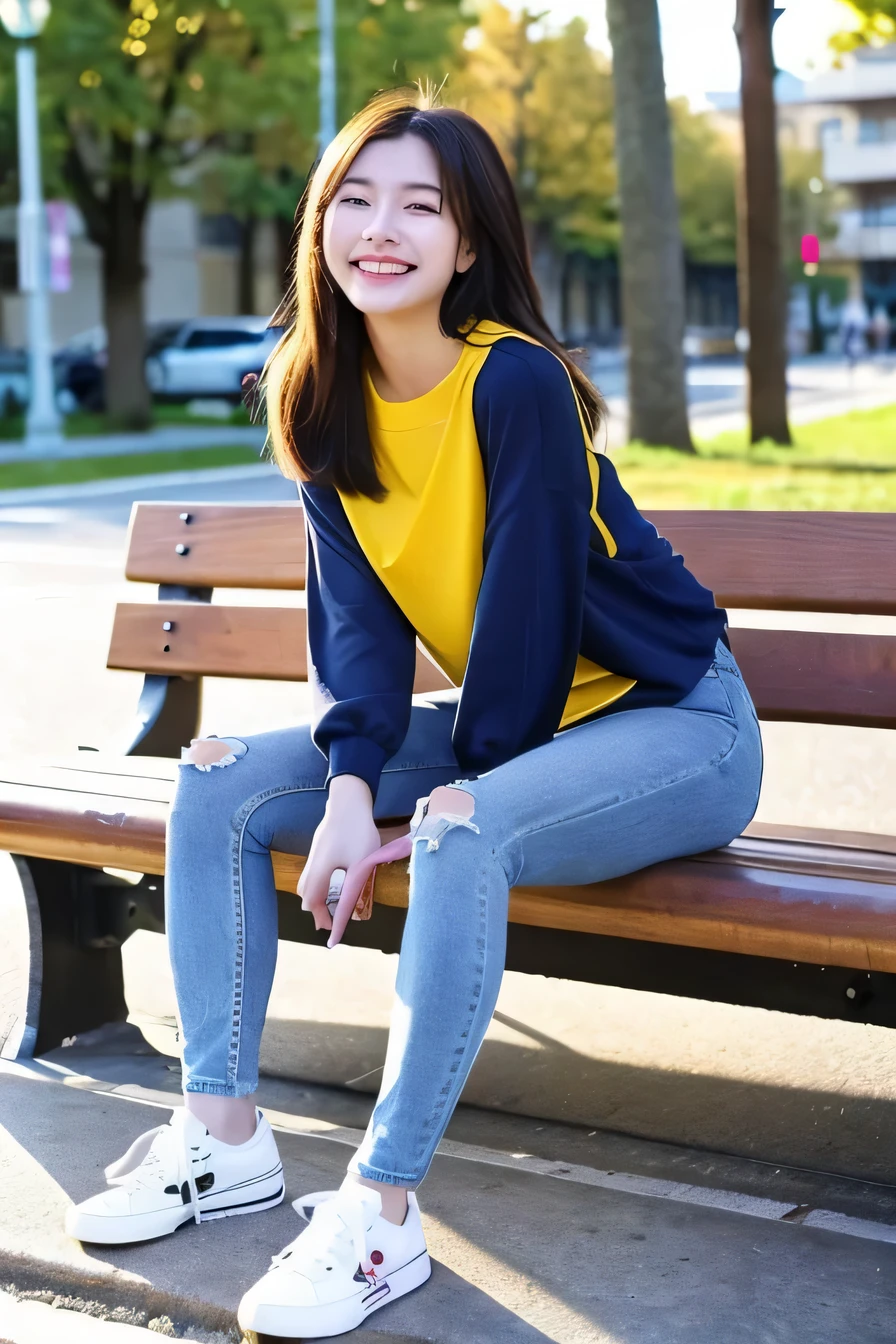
[858, 138]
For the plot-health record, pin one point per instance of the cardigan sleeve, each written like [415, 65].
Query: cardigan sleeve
[528, 621]
[362, 652]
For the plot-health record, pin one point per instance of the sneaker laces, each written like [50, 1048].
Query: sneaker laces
[337, 1217]
[152, 1157]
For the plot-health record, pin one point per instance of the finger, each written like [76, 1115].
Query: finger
[348, 899]
[355, 879]
[315, 885]
[334, 891]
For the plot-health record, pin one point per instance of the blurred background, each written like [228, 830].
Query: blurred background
[176, 139]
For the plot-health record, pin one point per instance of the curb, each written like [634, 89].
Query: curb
[116, 485]
[114, 1296]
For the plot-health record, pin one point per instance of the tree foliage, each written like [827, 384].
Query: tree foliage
[144, 98]
[548, 101]
[873, 24]
[706, 170]
[143, 89]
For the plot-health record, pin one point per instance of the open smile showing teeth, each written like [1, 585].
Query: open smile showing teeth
[383, 267]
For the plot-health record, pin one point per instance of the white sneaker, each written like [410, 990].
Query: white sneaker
[175, 1174]
[346, 1264]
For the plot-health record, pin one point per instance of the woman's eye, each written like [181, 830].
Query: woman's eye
[353, 200]
[419, 205]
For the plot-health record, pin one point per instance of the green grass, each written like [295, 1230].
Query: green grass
[20, 475]
[847, 462]
[81, 423]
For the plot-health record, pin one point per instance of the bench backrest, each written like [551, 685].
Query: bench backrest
[808, 562]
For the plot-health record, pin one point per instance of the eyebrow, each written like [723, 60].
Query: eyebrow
[406, 186]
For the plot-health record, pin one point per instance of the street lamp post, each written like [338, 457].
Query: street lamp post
[326, 22]
[24, 19]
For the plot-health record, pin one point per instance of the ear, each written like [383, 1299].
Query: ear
[465, 257]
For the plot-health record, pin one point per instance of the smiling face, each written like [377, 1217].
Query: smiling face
[390, 240]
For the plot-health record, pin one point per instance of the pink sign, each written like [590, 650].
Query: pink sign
[810, 249]
[60, 247]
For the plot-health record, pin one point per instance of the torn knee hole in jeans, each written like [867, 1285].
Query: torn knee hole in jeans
[205, 752]
[446, 807]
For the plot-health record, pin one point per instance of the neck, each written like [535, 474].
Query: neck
[411, 356]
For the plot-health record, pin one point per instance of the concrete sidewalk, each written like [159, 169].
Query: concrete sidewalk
[539, 1231]
[70, 1320]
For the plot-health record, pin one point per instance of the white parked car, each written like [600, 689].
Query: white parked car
[210, 357]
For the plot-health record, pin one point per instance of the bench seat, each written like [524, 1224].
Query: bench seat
[825, 897]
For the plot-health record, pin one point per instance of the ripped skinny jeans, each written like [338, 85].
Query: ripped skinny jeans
[599, 800]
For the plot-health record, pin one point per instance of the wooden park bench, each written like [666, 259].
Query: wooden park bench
[790, 918]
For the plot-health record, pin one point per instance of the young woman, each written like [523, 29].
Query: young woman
[444, 444]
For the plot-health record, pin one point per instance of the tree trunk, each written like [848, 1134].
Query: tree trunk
[246, 266]
[285, 235]
[765, 291]
[547, 267]
[128, 402]
[651, 253]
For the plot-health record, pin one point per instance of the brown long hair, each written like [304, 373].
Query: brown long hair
[312, 382]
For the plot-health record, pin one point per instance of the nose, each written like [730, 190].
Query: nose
[382, 227]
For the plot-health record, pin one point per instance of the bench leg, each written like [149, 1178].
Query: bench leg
[60, 973]
[167, 716]
[21, 959]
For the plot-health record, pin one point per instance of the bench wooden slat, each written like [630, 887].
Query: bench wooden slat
[217, 641]
[44, 820]
[776, 830]
[772, 560]
[833, 906]
[228, 545]
[834, 913]
[789, 561]
[267, 643]
[804, 676]
[799, 676]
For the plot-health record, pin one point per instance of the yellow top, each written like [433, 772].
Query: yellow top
[424, 539]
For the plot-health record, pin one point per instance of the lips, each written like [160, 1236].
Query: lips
[383, 266]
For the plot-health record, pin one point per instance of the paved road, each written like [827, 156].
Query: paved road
[819, 386]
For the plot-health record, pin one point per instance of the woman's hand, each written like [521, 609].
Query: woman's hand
[345, 836]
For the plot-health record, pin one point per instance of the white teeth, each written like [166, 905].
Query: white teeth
[383, 267]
